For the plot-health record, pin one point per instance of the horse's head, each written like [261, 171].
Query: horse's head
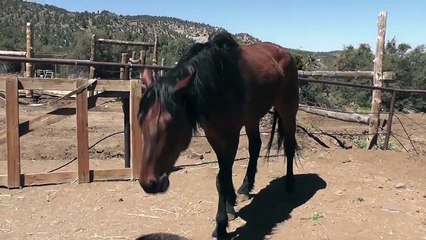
[166, 130]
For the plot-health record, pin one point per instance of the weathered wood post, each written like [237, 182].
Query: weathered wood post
[142, 58]
[82, 135]
[162, 64]
[29, 71]
[155, 56]
[377, 81]
[155, 53]
[124, 71]
[124, 75]
[92, 56]
[92, 59]
[136, 131]
[12, 126]
[131, 69]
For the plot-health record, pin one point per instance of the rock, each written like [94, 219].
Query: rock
[196, 155]
[400, 186]
[393, 209]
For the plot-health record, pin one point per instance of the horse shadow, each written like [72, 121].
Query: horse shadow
[272, 205]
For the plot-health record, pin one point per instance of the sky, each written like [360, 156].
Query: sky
[314, 25]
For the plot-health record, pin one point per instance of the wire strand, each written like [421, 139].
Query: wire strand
[71, 161]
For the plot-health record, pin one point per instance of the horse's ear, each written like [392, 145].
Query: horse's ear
[184, 82]
[147, 77]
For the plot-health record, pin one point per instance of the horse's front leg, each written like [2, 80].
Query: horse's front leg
[225, 149]
[227, 198]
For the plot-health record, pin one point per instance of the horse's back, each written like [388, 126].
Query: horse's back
[259, 49]
[270, 64]
[270, 74]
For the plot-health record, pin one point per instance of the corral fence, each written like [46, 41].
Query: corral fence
[110, 88]
[125, 88]
[87, 92]
[378, 81]
[128, 89]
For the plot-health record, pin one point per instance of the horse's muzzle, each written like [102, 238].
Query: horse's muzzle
[159, 185]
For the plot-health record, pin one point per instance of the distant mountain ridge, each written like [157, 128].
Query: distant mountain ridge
[59, 30]
[59, 23]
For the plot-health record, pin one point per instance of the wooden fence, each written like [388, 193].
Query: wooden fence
[84, 174]
[130, 92]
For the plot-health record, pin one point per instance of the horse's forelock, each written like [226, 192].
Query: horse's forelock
[160, 94]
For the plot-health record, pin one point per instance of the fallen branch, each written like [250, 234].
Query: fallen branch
[349, 117]
[143, 215]
[109, 237]
[314, 137]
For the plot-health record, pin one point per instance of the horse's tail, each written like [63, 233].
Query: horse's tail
[275, 119]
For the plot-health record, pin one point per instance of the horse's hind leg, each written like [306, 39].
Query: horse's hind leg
[255, 143]
[287, 113]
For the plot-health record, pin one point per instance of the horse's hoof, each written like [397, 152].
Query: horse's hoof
[231, 216]
[220, 238]
[224, 236]
[243, 197]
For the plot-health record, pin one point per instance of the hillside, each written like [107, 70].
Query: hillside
[58, 31]
[58, 28]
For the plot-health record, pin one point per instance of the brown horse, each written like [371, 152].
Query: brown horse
[220, 86]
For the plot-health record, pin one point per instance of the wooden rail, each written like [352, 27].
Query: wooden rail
[346, 74]
[121, 42]
[78, 62]
[62, 84]
[13, 53]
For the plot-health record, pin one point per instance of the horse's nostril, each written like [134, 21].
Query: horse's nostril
[149, 186]
[164, 183]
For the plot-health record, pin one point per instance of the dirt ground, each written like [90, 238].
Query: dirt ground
[342, 191]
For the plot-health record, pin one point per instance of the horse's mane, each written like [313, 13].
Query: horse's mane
[217, 80]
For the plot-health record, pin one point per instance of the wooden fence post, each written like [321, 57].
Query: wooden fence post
[142, 58]
[131, 69]
[29, 71]
[155, 51]
[92, 59]
[124, 71]
[162, 64]
[12, 126]
[124, 75]
[377, 81]
[82, 135]
[155, 56]
[92, 56]
[136, 131]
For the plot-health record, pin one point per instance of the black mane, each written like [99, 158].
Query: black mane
[217, 83]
